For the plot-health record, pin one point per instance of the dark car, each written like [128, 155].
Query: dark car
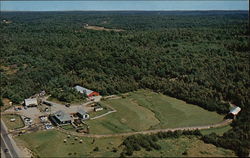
[6, 150]
[67, 105]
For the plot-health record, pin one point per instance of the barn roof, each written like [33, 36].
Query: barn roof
[235, 110]
[82, 112]
[30, 101]
[62, 116]
[83, 90]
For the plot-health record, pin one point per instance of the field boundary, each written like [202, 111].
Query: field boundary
[221, 124]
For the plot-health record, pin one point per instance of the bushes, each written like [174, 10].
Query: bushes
[148, 142]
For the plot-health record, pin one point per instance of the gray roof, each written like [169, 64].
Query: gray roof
[235, 110]
[82, 112]
[83, 90]
[30, 101]
[62, 116]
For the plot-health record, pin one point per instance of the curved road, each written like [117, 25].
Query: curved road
[223, 123]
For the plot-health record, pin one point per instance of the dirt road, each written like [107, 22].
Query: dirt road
[223, 123]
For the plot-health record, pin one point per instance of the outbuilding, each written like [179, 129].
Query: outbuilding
[98, 108]
[82, 114]
[61, 118]
[31, 102]
[233, 112]
[86, 91]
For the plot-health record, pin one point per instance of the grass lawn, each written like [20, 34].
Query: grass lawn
[50, 144]
[220, 130]
[97, 113]
[18, 123]
[68, 127]
[144, 109]
[173, 112]
[129, 117]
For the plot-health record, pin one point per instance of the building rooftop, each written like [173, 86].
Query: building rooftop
[235, 110]
[81, 111]
[62, 116]
[83, 90]
[30, 101]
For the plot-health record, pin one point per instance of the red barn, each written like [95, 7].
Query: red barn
[86, 91]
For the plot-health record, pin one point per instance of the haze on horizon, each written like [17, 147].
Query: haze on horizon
[122, 5]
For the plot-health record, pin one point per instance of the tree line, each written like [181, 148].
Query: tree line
[201, 58]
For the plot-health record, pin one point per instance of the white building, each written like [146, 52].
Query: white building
[30, 102]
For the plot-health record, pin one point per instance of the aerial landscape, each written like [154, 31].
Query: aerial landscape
[125, 84]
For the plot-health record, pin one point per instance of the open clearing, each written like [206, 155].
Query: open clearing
[220, 130]
[144, 109]
[18, 123]
[50, 144]
[99, 28]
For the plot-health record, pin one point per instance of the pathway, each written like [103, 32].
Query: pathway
[223, 123]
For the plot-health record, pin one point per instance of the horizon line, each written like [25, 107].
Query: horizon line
[119, 10]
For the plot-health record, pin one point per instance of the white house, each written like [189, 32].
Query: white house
[30, 102]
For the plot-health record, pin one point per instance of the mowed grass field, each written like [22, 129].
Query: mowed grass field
[51, 144]
[144, 109]
[129, 117]
[18, 123]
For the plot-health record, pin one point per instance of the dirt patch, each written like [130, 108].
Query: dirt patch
[6, 104]
[9, 70]
[98, 28]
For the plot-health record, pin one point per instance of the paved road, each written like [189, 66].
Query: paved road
[7, 143]
[3, 147]
[223, 123]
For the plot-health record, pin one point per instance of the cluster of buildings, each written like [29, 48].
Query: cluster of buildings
[61, 117]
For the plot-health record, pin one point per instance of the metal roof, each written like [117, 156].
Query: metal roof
[62, 116]
[83, 90]
[30, 101]
[81, 111]
[235, 110]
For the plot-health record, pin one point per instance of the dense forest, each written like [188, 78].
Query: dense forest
[199, 57]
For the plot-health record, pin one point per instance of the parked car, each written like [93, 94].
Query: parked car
[28, 120]
[67, 105]
[46, 110]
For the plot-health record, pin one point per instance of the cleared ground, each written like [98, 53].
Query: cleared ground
[50, 144]
[144, 109]
[99, 28]
[18, 123]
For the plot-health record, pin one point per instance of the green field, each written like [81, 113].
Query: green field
[219, 130]
[144, 109]
[18, 123]
[98, 113]
[50, 144]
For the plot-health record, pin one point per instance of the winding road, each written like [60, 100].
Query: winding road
[223, 123]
